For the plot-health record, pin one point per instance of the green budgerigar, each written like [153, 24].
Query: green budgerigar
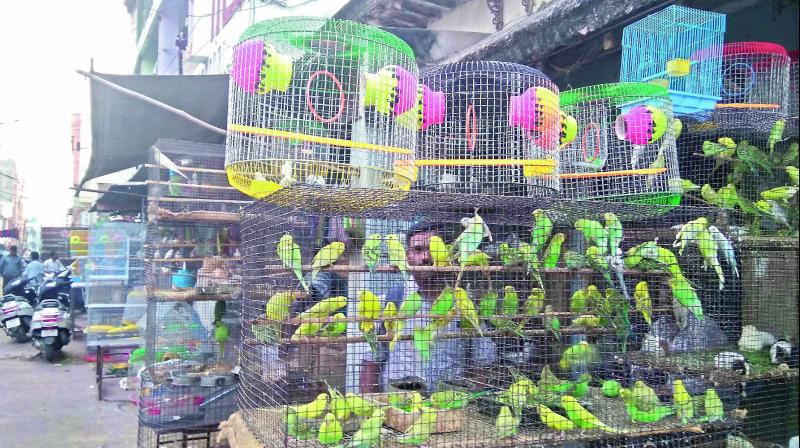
[644, 304]
[614, 232]
[314, 409]
[683, 402]
[466, 309]
[533, 304]
[641, 416]
[594, 233]
[420, 431]
[330, 430]
[578, 302]
[487, 305]
[408, 309]
[574, 260]
[578, 356]
[709, 250]
[438, 250]
[277, 311]
[289, 254]
[644, 397]
[506, 423]
[582, 385]
[553, 420]
[713, 406]
[397, 254]
[582, 417]
[542, 228]
[369, 433]
[598, 262]
[324, 308]
[685, 294]
[688, 233]
[326, 256]
[553, 251]
[371, 251]
[336, 327]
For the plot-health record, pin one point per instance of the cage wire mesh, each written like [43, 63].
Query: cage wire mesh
[488, 128]
[319, 101]
[193, 283]
[745, 168]
[680, 49]
[793, 123]
[624, 149]
[114, 275]
[755, 85]
[392, 332]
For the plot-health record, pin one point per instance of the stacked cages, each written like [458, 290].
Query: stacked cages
[755, 85]
[317, 101]
[489, 128]
[625, 146]
[393, 332]
[793, 123]
[680, 49]
[192, 277]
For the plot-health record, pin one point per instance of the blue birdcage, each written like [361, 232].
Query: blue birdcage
[680, 49]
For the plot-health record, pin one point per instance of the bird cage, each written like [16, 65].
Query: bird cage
[365, 329]
[755, 85]
[680, 49]
[625, 147]
[793, 123]
[489, 128]
[317, 101]
[739, 162]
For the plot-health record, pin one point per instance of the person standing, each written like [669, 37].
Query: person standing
[11, 266]
[34, 270]
[53, 264]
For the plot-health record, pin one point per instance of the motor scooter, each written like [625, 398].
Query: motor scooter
[51, 326]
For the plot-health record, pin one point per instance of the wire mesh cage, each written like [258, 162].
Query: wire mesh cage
[489, 128]
[680, 49]
[319, 101]
[625, 146]
[744, 168]
[755, 84]
[793, 123]
[192, 283]
[357, 322]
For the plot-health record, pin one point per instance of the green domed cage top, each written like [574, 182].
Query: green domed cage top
[306, 33]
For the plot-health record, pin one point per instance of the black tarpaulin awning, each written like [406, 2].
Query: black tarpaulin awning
[123, 127]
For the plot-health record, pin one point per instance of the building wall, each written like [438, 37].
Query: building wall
[474, 16]
[215, 26]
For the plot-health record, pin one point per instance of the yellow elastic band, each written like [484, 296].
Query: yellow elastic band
[641, 172]
[276, 133]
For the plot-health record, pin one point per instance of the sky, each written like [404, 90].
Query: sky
[41, 45]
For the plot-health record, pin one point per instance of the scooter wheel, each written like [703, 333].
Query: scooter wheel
[49, 352]
[20, 335]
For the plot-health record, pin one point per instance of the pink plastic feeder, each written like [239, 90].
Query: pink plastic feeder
[433, 107]
[641, 125]
[247, 60]
[406, 90]
[522, 110]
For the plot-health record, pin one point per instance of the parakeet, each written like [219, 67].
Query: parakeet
[640, 416]
[551, 323]
[659, 162]
[578, 356]
[533, 305]
[614, 232]
[487, 305]
[368, 306]
[297, 428]
[687, 233]
[542, 228]
[779, 193]
[358, 405]
[277, 311]
[313, 410]
[475, 229]
[574, 260]
[369, 433]
[594, 232]
[709, 194]
[709, 250]
[593, 296]
[650, 256]
[727, 197]
[307, 330]
[420, 431]
[452, 399]
[611, 388]
[477, 258]
[586, 321]
[713, 406]
[794, 174]
[326, 257]
[549, 382]
[221, 335]
[791, 154]
[438, 251]
[289, 254]
[598, 262]
[371, 251]
[408, 309]
[775, 134]
[330, 430]
[510, 304]
[578, 302]
[685, 294]
[336, 327]
[324, 308]
[582, 385]
[553, 420]
[397, 254]
[677, 127]
[684, 405]
[644, 304]
[582, 417]
[506, 423]
[644, 397]
[724, 245]
[466, 309]
[338, 405]
[553, 251]
[389, 322]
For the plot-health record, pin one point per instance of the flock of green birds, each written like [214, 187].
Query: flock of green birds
[325, 416]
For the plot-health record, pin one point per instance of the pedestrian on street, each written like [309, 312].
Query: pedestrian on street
[53, 264]
[11, 266]
[34, 270]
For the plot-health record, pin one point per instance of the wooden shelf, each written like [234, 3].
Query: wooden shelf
[168, 295]
[196, 216]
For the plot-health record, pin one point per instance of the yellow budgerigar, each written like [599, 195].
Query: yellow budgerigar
[326, 256]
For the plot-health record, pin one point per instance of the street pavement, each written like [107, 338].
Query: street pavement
[55, 405]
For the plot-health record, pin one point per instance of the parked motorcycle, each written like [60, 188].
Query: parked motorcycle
[51, 326]
[17, 309]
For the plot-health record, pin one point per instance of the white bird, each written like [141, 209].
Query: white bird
[753, 340]
[732, 361]
[725, 247]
